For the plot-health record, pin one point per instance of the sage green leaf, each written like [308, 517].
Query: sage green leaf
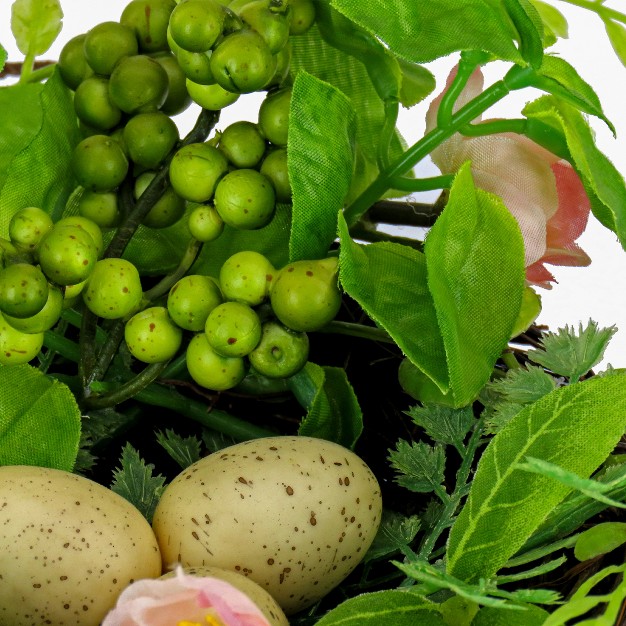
[553, 19]
[333, 411]
[603, 182]
[523, 385]
[505, 504]
[388, 280]
[573, 354]
[600, 539]
[420, 467]
[558, 77]
[617, 36]
[444, 424]
[473, 241]
[424, 31]
[384, 608]
[39, 419]
[582, 601]
[184, 450]
[395, 533]
[38, 132]
[530, 28]
[490, 616]
[321, 160]
[35, 25]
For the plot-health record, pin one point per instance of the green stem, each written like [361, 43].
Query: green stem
[62, 345]
[368, 233]
[388, 132]
[128, 390]
[27, 68]
[418, 151]
[41, 74]
[357, 330]
[508, 358]
[176, 367]
[604, 12]
[167, 282]
[497, 126]
[403, 213]
[107, 353]
[421, 184]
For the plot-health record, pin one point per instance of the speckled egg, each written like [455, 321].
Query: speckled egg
[294, 514]
[68, 547]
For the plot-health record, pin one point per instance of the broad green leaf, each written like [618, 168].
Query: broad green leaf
[420, 467]
[603, 182]
[39, 419]
[35, 25]
[134, 481]
[417, 83]
[617, 36]
[395, 533]
[582, 601]
[600, 539]
[384, 608]
[444, 424]
[475, 259]
[184, 450]
[553, 19]
[505, 504]
[530, 28]
[490, 616]
[389, 281]
[424, 31]
[558, 77]
[458, 611]
[321, 160]
[420, 387]
[38, 132]
[573, 354]
[333, 411]
[309, 52]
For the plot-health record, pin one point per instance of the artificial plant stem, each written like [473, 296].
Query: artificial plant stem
[368, 233]
[599, 8]
[128, 390]
[108, 351]
[424, 146]
[67, 348]
[388, 133]
[403, 213]
[87, 345]
[357, 330]
[27, 68]
[204, 124]
[497, 126]
[421, 184]
[167, 282]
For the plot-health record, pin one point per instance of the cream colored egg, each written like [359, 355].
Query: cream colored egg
[68, 547]
[266, 603]
[294, 514]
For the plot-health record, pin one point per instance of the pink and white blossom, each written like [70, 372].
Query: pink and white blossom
[543, 192]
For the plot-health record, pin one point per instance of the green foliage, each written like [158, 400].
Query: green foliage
[444, 424]
[39, 419]
[505, 505]
[476, 313]
[321, 138]
[35, 25]
[395, 534]
[572, 354]
[333, 411]
[184, 450]
[491, 616]
[419, 465]
[530, 29]
[134, 480]
[553, 19]
[616, 33]
[3, 57]
[384, 608]
[600, 539]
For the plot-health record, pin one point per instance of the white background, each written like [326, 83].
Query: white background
[597, 292]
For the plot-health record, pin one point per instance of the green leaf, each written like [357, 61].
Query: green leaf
[419, 465]
[134, 481]
[586, 486]
[38, 132]
[572, 354]
[384, 608]
[3, 57]
[558, 77]
[395, 533]
[539, 570]
[35, 25]
[505, 505]
[388, 280]
[600, 539]
[530, 28]
[184, 450]
[333, 411]
[444, 424]
[39, 419]
[474, 240]
[321, 140]
[603, 182]
[490, 616]
[523, 385]
[424, 31]
[617, 36]
[417, 83]
[582, 601]
[553, 19]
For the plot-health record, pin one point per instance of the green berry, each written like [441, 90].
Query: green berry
[211, 370]
[93, 105]
[89, 226]
[302, 16]
[195, 25]
[233, 329]
[106, 44]
[281, 353]
[274, 166]
[274, 116]
[99, 207]
[167, 210]
[149, 138]
[17, 347]
[151, 336]
[272, 25]
[246, 276]
[148, 19]
[242, 144]
[72, 64]
[191, 299]
[205, 223]
[23, 290]
[178, 99]
[28, 226]
[99, 163]
[211, 97]
[45, 319]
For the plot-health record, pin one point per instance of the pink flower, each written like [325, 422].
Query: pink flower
[184, 601]
[543, 192]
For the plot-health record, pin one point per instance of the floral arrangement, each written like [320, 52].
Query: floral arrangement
[230, 394]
